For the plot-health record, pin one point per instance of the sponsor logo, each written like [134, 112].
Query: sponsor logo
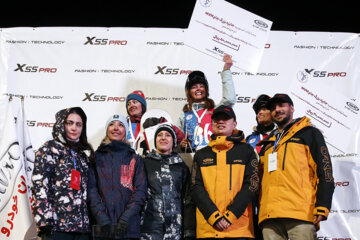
[242, 99]
[208, 161]
[317, 74]
[345, 211]
[35, 96]
[261, 24]
[312, 47]
[218, 50]
[165, 43]
[104, 41]
[35, 42]
[34, 123]
[352, 106]
[164, 70]
[92, 97]
[34, 69]
[205, 3]
[342, 184]
[302, 76]
[345, 155]
[104, 70]
[259, 74]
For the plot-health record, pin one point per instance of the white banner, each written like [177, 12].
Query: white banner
[96, 68]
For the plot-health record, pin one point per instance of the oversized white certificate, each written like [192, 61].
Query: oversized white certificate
[337, 116]
[218, 27]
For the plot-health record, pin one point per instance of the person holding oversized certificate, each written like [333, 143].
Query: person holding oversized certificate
[195, 121]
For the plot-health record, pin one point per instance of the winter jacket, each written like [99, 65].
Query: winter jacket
[224, 182]
[260, 132]
[303, 184]
[188, 121]
[117, 186]
[57, 205]
[162, 216]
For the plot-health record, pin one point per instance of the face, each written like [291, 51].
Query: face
[164, 142]
[198, 92]
[282, 113]
[116, 131]
[223, 125]
[73, 126]
[134, 107]
[264, 116]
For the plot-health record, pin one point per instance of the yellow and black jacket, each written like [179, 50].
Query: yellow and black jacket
[224, 181]
[302, 185]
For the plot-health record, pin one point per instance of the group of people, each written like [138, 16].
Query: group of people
[274, 184]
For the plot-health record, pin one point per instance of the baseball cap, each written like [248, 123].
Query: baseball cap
[279, 98]
[261, 102]
[225, 110]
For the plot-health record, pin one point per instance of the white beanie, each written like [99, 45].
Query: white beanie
[120, 118]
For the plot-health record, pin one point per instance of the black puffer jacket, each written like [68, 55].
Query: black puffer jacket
[162, 217]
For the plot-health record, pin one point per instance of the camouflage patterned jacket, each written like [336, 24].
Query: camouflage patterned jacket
[162, 216]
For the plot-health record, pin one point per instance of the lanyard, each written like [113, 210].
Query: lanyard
[277, 140]
[197, 116]
[132, 134]
[73, 157]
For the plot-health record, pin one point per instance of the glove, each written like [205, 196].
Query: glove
[106, 230]
[122, 227]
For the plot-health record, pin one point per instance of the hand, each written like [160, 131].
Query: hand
[318, 218]
[222, 224]
[228, 62]
[185, 142]
[45, 230]
[122, 227]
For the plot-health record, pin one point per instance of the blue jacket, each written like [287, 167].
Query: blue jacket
[117, 186]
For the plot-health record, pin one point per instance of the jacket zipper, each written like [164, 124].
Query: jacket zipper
[283, 167]
[230, 174]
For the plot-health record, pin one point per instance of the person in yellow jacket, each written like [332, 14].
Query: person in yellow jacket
[296, 176]
[224, 181]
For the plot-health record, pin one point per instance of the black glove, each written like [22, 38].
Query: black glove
[45, 230]
[122, 227]
[106, 230]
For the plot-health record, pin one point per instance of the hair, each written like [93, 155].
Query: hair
[209, 103]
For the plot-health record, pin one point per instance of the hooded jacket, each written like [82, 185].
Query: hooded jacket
[224, 182]
[57, 205]
[302, 185]
[117, 186]
[162, 216]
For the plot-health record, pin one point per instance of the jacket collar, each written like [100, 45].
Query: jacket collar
[226, 142]
[288, 131]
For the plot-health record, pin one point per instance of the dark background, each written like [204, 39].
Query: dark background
[291, 15]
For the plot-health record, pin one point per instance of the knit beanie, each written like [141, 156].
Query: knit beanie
[120, 118]
[168, 128]
[197, 77]
[139, 96]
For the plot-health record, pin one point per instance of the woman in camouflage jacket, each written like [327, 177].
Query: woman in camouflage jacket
[60, 179]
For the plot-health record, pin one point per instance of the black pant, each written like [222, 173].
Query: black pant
[65, 236]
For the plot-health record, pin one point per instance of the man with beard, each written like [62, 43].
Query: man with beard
[296, 176]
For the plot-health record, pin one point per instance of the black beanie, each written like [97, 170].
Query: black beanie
[168, 128]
